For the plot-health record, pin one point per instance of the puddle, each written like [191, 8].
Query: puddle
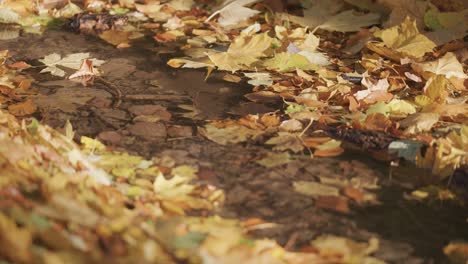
[138, 72]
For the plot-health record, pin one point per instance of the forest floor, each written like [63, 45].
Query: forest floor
[352, 206]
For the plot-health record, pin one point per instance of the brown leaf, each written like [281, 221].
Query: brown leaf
[151, 110]
[378, 122]
[22, 109]
[263, 97]
[115, 37]
[148, 130]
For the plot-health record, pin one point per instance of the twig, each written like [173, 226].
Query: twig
[164, 97]
[307, 127]
[112, 89]
[291, 241]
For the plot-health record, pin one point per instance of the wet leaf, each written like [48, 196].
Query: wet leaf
[274, 160]
[116, 37]
[229, 135]
[315, 189]
[286, 141]
[72, 61]
[22, 109]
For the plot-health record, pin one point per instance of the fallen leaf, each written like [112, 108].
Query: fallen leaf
[22, 109]
[315, 189]
[291, 125]
[72, 61]
[436, 20]
[334, 203]
[244, 51]
[354, 194]
[274, 160]
[457, 252]
[85, 74]
[342, 249]
[115, 37]
[20, 65]
[350, 21]
[286, 141]
[448, 65]
[406, 39]
[14, 241]
[230, 134]
[286, 62]
[381, 86]
[330, 148]
[232, 12]
[419, 122]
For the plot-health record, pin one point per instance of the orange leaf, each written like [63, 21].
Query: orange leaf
[165, 37]
[315, 141]
[20, 65]
[331, 152]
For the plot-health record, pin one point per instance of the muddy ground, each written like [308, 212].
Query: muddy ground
[409, 232]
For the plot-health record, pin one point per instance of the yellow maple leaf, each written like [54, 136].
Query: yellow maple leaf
[406, 39]
[244, 51]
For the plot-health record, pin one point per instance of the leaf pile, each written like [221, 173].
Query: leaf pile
[86, 204]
